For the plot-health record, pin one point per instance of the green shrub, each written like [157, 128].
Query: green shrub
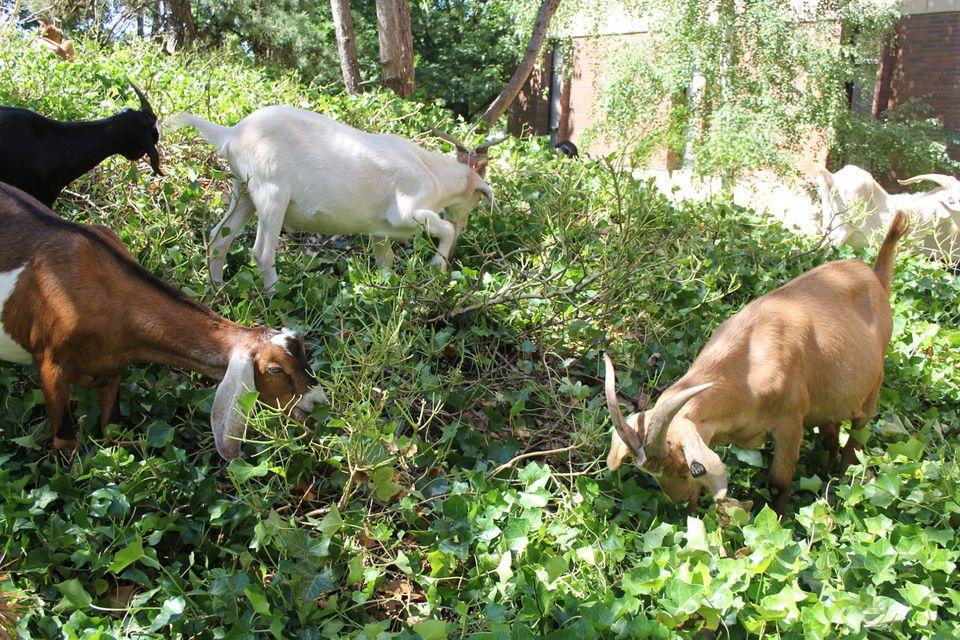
[382, 517]
[901, 144]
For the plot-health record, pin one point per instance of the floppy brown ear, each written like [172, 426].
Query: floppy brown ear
[619, 450]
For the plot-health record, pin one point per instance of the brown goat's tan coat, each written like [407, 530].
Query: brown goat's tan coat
[807, 354]
[83, 309]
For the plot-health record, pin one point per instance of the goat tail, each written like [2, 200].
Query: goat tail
[883, 265]
[217, 135]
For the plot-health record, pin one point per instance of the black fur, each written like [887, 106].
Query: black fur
[42, 156]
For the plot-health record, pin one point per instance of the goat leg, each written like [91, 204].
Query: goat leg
[858, 431]
[787, 438]
[444, 232]
[56, 396]
[109, 397]
[830, 445]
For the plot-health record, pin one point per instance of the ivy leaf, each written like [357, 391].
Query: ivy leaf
[171, 610]
[431, 629]
[331, 522]
[74, 595]
[384, 487]
[244, 471]
[320, 584]
[696, 535]
[257, 599]
[127, 556]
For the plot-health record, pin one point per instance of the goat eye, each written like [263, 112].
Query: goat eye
[274, 369]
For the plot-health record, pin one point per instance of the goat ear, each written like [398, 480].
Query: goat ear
[228, 423]
[619, 450]
[705, 465]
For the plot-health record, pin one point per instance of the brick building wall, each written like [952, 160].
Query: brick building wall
[585, 74]
[922, 61]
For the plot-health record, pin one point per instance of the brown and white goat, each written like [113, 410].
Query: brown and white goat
[807, 354]
[73, 300]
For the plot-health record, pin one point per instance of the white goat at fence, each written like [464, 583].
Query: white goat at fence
[855, 207]
[305, 171]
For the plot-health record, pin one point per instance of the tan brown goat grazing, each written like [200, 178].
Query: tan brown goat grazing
[74, 301]
[807, 354]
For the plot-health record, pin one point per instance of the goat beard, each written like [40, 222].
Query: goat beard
[154, 160]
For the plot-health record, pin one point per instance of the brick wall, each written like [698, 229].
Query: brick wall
[530, 112]
[923, 62]
[588, 61]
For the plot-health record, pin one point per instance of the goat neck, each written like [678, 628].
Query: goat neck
[177, 333]
[452, 180]
[97, 139]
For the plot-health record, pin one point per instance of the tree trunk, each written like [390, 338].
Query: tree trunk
[530, 57]
[396, 46]
[183, 28]
[346, 45]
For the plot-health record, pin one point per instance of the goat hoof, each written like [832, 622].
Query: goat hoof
[65, 449]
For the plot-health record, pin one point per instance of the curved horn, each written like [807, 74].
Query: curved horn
[945, 181]
[631, 438]
[489, 142]
[449, 138]
[662, 415]
[144, 103]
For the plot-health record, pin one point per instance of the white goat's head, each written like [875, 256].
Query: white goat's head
[664, 445]
[477, 158]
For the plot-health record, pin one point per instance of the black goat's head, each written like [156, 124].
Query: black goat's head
[143, 133]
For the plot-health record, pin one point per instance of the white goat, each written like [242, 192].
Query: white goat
[856, 207]
[302, 170]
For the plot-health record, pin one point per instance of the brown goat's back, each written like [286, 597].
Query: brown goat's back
[813, 347]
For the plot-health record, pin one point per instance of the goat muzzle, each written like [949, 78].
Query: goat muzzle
[154, 156]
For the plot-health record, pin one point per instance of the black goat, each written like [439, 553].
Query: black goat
[42, 156]
[567, 148]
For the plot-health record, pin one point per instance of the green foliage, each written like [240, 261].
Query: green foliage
[382, 517]
[775, 76]
[902, 144]
[465, 50]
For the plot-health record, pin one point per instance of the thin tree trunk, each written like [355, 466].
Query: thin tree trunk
[184, 29]
[396, 46]
[346, 45]
[529, 60]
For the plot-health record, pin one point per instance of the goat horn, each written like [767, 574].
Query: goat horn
[489, 142]
[945, 181]
[144, 103]
[662, 416]
[449, 138]
[631, 438]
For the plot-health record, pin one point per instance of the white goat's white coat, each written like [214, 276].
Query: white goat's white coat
[302, 170]
[856, 207]
[10, 350]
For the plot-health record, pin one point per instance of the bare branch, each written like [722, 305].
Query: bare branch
[529, 60]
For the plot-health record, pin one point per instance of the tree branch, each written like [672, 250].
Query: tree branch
[529, 60]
